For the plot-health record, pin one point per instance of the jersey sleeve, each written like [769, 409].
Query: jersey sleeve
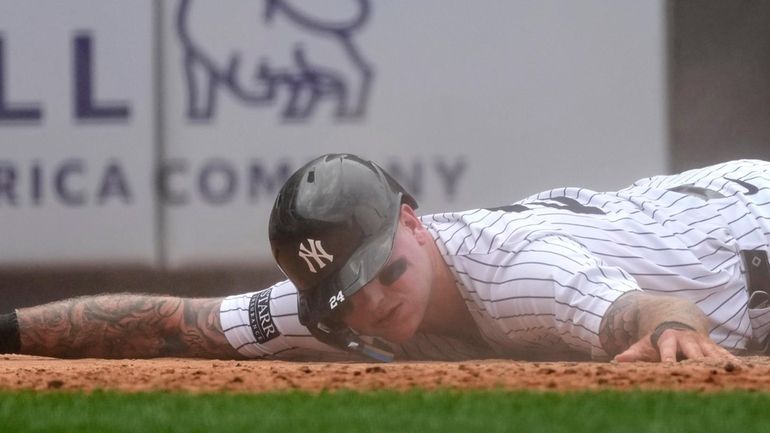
[565, 282]
[265, 324]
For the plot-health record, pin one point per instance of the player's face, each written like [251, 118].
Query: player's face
[393, 305]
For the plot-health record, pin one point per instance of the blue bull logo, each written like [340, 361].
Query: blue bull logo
[323, 62]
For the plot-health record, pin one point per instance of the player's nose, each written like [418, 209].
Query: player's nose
[368, 297]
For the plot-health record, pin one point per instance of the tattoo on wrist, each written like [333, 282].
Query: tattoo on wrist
[663, 327]
[620, 326]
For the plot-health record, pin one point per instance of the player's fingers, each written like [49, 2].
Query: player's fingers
[726, 353]
[667, 347]
[640, 351]
[712, 350]
[630, 355]
[691, 348]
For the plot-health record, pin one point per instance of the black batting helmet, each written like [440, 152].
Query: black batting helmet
[331, 231]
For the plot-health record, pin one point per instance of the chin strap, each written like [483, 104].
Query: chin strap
[344, 338]
[378, 350]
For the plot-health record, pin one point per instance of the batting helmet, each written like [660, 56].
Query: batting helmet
[331, 231]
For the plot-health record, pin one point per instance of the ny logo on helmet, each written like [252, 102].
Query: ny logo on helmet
[316, 252]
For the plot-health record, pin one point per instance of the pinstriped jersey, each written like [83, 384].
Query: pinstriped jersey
[538, 275]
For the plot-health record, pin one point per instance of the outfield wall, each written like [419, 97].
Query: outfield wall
[156, 134]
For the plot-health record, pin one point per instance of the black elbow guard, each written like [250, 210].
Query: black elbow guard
[10, 340]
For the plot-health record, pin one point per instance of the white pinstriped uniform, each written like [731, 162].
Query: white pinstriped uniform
[538, 276]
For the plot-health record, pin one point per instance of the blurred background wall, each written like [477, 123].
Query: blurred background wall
[719, 81]
[142, 142]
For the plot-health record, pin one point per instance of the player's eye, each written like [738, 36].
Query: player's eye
[392, 271]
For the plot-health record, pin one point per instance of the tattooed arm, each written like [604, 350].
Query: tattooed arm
[125, 326]
[678, 329]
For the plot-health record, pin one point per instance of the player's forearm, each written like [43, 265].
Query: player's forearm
[637, 314]
[124, 326]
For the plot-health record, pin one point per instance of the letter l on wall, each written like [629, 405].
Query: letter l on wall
[85, 105]
[7, 113]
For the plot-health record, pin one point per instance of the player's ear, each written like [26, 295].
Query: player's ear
[408, 217]
[413, 224]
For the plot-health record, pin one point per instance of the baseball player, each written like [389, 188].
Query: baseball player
[671, 267]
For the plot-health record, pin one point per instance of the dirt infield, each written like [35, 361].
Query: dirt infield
[35, 373]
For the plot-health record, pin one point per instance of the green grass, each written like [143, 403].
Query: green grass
[385, 412]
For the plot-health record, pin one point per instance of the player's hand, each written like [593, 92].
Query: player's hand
[673, 343]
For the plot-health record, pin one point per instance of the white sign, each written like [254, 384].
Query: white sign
[468, 103]
[77, 133]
